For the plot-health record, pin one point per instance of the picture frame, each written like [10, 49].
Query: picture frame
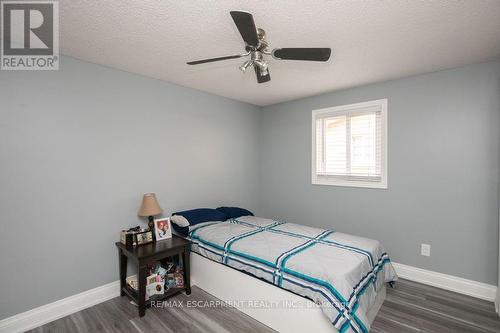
[163, 228]
[143, 237]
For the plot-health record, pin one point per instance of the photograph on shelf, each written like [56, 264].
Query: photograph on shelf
[163, 229]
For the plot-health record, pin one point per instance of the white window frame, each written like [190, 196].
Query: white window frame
[325, 180]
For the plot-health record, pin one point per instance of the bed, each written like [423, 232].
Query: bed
[316, 271]
[342, 275]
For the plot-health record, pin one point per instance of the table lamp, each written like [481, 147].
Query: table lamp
[150, 208]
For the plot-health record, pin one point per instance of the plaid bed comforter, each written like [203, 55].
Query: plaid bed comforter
[339, 272]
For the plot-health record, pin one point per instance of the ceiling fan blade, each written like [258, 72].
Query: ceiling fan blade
[311, 54]
[197, 62]
[262, 78]
[246, 26]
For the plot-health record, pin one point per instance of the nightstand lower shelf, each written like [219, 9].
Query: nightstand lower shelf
[134, 295]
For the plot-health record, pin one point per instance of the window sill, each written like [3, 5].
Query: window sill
[379, 185]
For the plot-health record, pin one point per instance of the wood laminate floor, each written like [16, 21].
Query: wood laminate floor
[409, 307]
[414, 307]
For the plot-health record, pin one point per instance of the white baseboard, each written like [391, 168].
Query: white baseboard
[447, 282]
[58, 309]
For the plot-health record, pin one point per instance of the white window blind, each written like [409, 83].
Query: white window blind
[349, 145]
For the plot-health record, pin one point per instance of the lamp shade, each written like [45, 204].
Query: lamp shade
[149, 205]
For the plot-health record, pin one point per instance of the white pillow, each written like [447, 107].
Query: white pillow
[181, 221]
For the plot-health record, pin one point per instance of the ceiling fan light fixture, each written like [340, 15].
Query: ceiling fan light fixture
[262, 65]
[245, 65]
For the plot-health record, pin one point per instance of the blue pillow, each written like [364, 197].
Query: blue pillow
[234, 212]
[184, 231]
[201, 215]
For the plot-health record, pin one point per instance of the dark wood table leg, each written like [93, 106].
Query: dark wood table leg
[185, 262]
[123, 271]
[142, 290]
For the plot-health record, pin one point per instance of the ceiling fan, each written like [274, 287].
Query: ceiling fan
[256, 47]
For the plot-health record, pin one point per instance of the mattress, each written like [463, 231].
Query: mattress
[341, 273]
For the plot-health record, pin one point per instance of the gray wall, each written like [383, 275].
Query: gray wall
[497, 301]
[443, 171]
[79, 147]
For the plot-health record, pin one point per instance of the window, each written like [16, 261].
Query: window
[350, 145]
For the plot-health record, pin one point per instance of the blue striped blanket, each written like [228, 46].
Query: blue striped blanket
[339, 272]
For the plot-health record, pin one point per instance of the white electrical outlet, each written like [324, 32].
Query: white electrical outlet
[425, 250]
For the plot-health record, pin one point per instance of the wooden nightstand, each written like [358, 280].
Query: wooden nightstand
[148, 254]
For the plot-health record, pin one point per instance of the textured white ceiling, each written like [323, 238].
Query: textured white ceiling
[371, 40]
